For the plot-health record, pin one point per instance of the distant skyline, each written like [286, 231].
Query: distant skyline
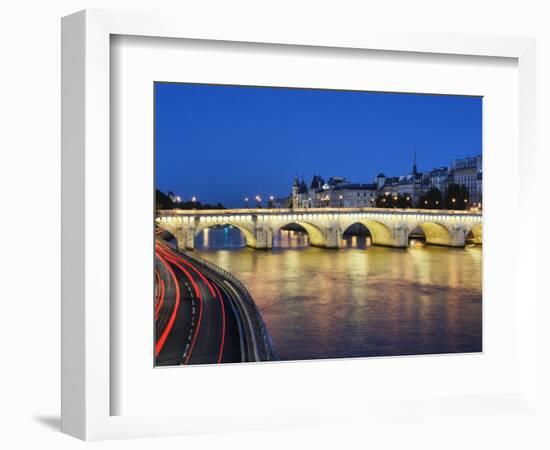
[222, 143]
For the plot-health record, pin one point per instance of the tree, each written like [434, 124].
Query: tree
[384, 201]
[162, 201]
[457, 197]
[433, 199]
[404, 200]
[198, 205]
[393, 200]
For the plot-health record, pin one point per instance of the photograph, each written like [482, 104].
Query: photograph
[294, 224]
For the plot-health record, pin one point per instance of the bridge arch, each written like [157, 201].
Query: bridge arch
[317, 235]
[249, 237]
[380, 233]
[477, 233]
[436, 233]
[164, 233]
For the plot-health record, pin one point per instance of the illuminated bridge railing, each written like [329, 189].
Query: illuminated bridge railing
[313, 213]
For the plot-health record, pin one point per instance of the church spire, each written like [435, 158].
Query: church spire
[415, 171]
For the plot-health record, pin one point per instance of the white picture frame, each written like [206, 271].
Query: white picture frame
[86, 248]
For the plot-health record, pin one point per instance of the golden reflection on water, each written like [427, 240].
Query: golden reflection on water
[361, 300]
[290, 238]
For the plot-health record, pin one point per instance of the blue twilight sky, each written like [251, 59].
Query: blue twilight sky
[222, 143]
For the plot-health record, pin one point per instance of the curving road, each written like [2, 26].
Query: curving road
[199, 315]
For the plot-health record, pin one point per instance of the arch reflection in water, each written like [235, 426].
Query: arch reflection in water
[359, 242]
[293, 236]
[220, 237]
[357, 235]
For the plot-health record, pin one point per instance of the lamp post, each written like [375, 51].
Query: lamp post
[193, 200]
[246, 202]
[258, 201]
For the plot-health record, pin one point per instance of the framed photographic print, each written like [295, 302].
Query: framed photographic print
[282, 224]
[271, 266]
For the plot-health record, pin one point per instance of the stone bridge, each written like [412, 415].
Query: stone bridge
[325, 226]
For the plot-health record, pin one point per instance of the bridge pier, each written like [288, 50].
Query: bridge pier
[263, 238]
[458, 236]
[185, 238]
[333, 236]
[400, 237]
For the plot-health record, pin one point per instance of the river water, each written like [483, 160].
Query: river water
[360, 300]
